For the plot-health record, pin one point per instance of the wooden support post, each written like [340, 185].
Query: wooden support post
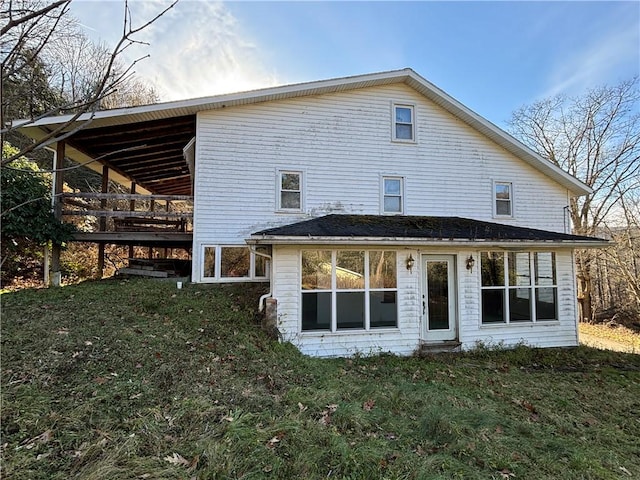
[58, 182]
[152, 208]
[132, 207]
[103, 220]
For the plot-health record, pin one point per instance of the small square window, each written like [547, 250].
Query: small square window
[392, 195]
[403, 123]
[503, 198]
[290, 191]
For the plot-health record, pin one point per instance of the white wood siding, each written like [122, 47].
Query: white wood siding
[342, 143]
[403, 340]
[406, 338]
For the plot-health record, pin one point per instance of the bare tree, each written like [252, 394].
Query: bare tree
[596, 138]
[32, 25]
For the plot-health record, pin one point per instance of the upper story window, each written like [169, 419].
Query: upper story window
[503, 199]
[289, 191]
[404, 125]
[392, 195]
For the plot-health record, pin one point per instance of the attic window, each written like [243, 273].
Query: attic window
[403, 123]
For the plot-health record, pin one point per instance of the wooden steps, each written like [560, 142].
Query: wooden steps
[431, 348]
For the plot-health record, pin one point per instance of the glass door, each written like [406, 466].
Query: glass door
[439, 298]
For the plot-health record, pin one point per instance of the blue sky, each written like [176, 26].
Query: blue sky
[491, 56]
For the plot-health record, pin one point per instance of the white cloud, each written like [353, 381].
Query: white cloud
[616, 53]
[198, 50]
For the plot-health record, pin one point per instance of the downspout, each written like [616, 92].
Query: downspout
[262, 299]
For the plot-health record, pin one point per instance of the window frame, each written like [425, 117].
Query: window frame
[533, 287]
[218, 278]
[394, 122]
[495, 198]
[383, 194]
[279, 190]
[334, 290]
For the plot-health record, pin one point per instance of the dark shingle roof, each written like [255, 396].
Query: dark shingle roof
[416, 227]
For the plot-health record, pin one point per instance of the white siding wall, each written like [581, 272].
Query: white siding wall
[406, 338]
[401, 341]
[343, 144]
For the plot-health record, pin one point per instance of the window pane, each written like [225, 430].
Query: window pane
[546, 304]
[290, 200]
[493, 306]
[404, 132]
[392, 204]
[492, 264]
[350, 310]
[209, 261]
[260, 262]
[290, 181]
[349, 270]
[403, 114]
[503, 207]
[545, 266]
[519, 304]
[383, 309]
[392, 186]
[316, 311]
[519, 269]
[234, 262]
[316, 270]
[438, 295]
[382, 269]
[503, 191]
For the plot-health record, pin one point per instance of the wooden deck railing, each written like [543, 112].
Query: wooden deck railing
[129, 212]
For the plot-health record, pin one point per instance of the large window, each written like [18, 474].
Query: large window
[229, 263]
[289, 191]
[392, 195]
[403, 123]
[503, 199]
[518, 287]
[348, 290]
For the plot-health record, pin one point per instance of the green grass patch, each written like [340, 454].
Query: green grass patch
[135, 379]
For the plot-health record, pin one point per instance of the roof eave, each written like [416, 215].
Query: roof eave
[424, 242]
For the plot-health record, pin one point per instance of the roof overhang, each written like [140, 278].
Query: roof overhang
[187, 108]
[516, 245]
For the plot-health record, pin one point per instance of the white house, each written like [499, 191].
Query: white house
[385, 214]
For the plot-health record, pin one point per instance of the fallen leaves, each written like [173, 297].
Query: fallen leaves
[368, 405]
[325, 419]
[44, 437]
[178, 460]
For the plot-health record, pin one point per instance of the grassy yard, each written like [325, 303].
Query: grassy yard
[134, 379]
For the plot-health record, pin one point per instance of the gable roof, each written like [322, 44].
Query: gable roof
[184, 108]
[399, 229]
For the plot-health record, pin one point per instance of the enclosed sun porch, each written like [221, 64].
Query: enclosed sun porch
[145, 201]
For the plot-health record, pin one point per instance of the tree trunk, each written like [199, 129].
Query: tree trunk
[585, 286]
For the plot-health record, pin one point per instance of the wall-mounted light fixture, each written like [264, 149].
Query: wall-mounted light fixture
[410, 263]
[470, 263]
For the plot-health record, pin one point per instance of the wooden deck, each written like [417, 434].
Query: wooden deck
[131, 219]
